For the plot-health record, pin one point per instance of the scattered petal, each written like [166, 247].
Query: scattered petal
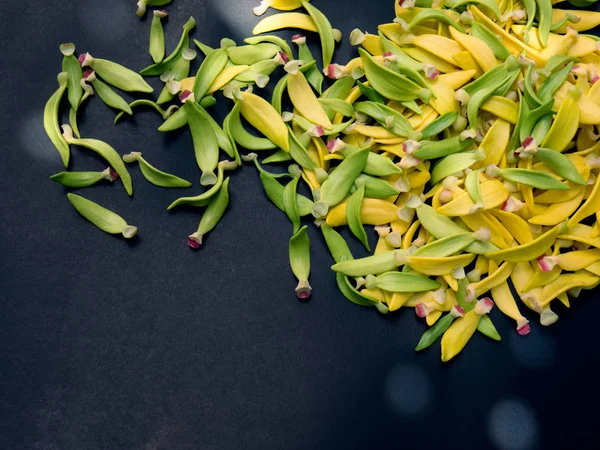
[335, 71]
[457, 311]
[458, 272]
[548, 317]
[357, 37]
[422, 309]
[303, 290]
[195, 240]
[431, 72]
[547, 263]
[402, 184]
[445, 196]
[512, 204]
[316, 131]
[383, 230]
[483, 235]
[299, 39]
[186, 96]
[335, 145]
[439, 296]
[408, 161]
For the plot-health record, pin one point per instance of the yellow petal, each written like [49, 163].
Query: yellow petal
[322, 151]
[596, 228]
[494, 193]
[502, 107]
[541, 279]
[565, 126]
[594, 95]
[493, 266]
[551, 196]
[581, 233]
[422, 29]
[376, 294]
[187, 84]
[577, 260]
[439, 266]
[520, 276]
[373, 212]
[457, 336]
[594, 268]
[376, 132]
[399, 299]
[305, 101]
[533, 38]
[465, 61]
[589, 112]
[355, 63]
[498, 227]
[382, 246]
[393, 31]
[228, 74]
[262, 116]
[558, 46]
[285, 20]
[591, 205]
[400, 226]
[439, 46]
[478, 49]
[310, 178]
[355, 93]
[409, 236]
[372, 44]
[515, 225]
[495, 278]
[409, 14]
[506, 303]
[452, 282]
[482, 264]
[416, 178]
[390, 141]
[417, 121]
[355, 139]
[589, 19]
[495, 142]
[557, 212]
[281, 5]
[426, 57]
[433, 317]
[457, 79]
[564, 299]
[529, 251]
[444, 101]
[565, 282]
[396, 106]
[582, 45]
[478, 220]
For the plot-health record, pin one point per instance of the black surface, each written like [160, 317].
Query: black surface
[107, 344]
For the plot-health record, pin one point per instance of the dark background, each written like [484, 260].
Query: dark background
[143, 345]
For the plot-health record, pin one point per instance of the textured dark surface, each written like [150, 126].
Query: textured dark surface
[107, 344]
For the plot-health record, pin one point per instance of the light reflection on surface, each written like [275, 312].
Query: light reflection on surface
[535, 351]
[238, 15]
[33, 138]
[512, 425]
[408, 390]
[106, 25]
